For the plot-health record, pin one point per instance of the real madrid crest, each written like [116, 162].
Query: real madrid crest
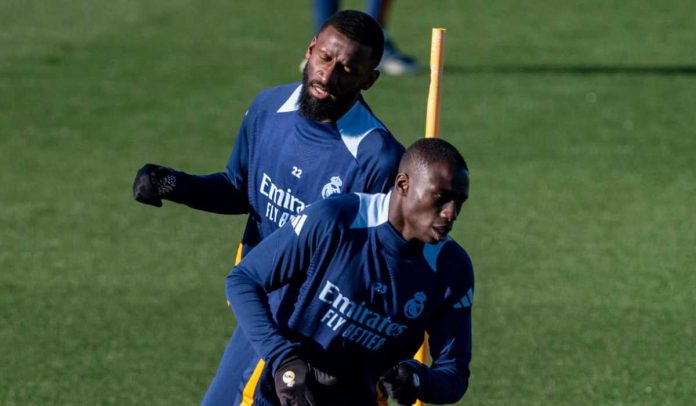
[414, 307]
[333, 187]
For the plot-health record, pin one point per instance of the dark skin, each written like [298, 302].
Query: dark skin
[426, 202]
[338, 69]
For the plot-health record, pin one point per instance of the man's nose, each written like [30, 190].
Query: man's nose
[327, 72]
[449, 211]
[330, 75]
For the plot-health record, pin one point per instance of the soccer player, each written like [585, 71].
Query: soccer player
[361, 278]
[297, 144]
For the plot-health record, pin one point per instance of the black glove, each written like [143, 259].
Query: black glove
[402, 383]
[294, 381]
[152, 183]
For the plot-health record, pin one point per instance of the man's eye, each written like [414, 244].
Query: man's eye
[441, 199]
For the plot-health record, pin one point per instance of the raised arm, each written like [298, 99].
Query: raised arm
[222, 192]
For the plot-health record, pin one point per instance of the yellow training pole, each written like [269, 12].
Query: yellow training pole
[437, 57]
[432, 128]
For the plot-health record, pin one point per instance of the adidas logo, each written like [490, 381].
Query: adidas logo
[466, 301]
[298, 222]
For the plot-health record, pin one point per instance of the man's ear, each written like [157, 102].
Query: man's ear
[372, 77]
[401, 183]
[310, 48]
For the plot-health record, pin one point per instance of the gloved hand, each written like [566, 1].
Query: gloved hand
[402, 383]
[294, 381]
[152, 183]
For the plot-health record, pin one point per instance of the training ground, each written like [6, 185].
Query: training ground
[577, 119]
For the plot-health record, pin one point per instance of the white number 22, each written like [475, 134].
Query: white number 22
[296, 172]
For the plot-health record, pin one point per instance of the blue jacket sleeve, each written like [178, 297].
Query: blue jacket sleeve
[447, 378]
[223, 192]
[280, 259]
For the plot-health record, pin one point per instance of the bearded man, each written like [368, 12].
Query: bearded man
[298, 143]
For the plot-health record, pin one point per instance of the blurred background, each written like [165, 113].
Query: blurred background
[577, 120]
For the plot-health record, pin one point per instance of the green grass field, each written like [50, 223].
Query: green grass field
[577, 119]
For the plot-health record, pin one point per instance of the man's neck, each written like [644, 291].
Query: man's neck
[395, 217]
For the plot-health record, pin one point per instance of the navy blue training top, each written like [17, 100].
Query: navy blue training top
[354, 298]
[282, 161]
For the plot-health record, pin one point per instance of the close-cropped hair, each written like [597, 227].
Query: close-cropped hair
[427, 151]
[361, 28]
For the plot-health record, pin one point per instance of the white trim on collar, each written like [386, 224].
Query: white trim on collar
[292, 103]
[355, 125]
[373, 211]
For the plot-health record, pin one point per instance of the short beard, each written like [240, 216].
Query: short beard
[329, 109]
